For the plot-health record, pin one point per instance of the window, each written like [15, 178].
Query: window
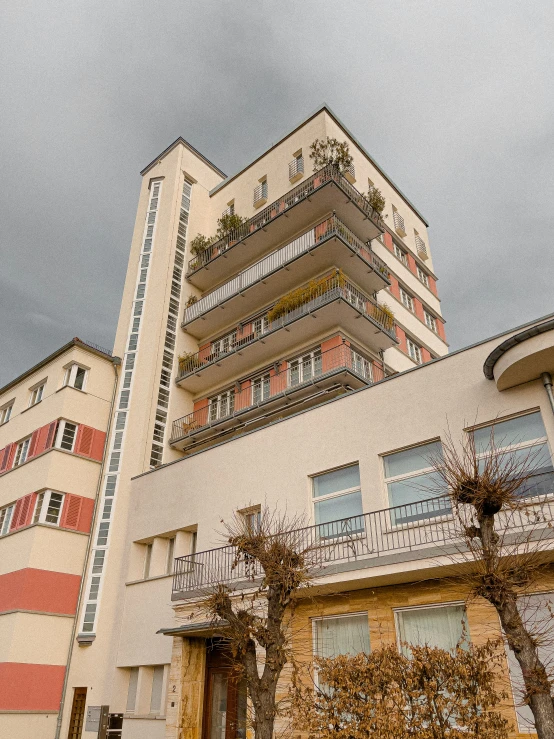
[75, 376]
[36, 394]
[412, 484]
[399, 225]
[422, 276]
[421, 246]
[65, 438]
[252, 518]
[407, 300]
[437, 626]
[401, 254]
[260, 193]
[229, 210]
[6, 413]
[88, 620]
[157, 686]
[170, 555]
[21, 452]
[222, 405]
[5, 519]
[414, 351]
[225, 344]
[48, 508]
[296, 167]
[361, 365]
[260, 326]
[537, 613]
[523, 437]
[338, 502]
[336, 635]
[261, 388]
[430, 321]
[132, 690]
[147, 561]
[306, 367]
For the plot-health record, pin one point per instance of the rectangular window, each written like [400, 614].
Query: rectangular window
[147, 561]
[523, 439]
[252, 518]
[399, 225]
[414, 351]
[336, 635]
[260, 192]
[430, 321]
[170, 555]
[132, 690]
[75, 376]
[305, 368]
[422, 277]
[407, 300]
[401, 254]
[103, 531]
[6, 413]
[361, 365]
[65, 438]
[88, 620]
[48, 508]
[225, 344]
[98, 563]
[5, 519]
[222, 405]
[36, 394]
[412, 484]
[21, 452]
[443, 627]
[157, 685]
[338, 502]
[260, 326]
[261, 389]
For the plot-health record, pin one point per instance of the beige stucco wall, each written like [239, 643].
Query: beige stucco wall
[22, 725]
[34, 638]
[43, 547]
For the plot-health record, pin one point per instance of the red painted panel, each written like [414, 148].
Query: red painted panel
[418, 307]
[11, 456]
[23, 512]
[71, 511]
[412, 266]
[401, 336]
[425, 355]
[39, 590]
[440, 329]
[432, 285]
[28, 687]
[83, 443]
[85, 518]
[387, 238]
[98, 442]
[199, 404]
[395, 287]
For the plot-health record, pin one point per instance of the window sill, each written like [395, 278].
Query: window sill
[144, 716]
[149, 579]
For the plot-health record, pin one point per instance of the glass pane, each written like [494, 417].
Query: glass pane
[343, 635]
[331, 513]
[506, 433]
[411, 460]
[405, 498]
[218, 708]
[435, 627]
[132, 692]
[332, 482]
[156, 696]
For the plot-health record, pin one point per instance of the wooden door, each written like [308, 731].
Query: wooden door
[225, 697]
[77, 713]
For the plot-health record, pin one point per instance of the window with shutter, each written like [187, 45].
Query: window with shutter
[4, 455]
[33, 444]
[84, 440]
[71, 512]
[22, 513]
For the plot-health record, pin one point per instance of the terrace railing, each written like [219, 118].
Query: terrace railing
[334, 287]
[269, 386]
[325, 230]
[350, 543]
[299, 193]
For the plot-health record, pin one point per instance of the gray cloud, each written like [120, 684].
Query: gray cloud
[454, 99]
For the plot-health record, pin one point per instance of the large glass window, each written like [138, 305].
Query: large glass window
[336, 635]
[48, 508]
[5, 519]
[412, 484]
[438, 626]
[305, 368]
[338, 502]
[524, 439]
[75, 376]
[21, 452]
[222, 405]
[261, 389]
[67, 433]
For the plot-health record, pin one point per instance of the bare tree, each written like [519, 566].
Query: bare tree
[279, 565]
[507, 543]
[429, 693]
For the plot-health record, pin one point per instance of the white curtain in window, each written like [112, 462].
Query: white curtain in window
[441, 627]
[342, 635]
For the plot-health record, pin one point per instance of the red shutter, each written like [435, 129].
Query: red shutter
[98, 441]
[45, 438]
[83, 443]
[33, 445]
[85, 517]
[11, 455]
[71, 512]
[4, 454]
[23, 512]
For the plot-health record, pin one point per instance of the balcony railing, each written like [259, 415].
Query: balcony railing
[296, 167]
[399, 223]
[299, 374]
[414, 530]
[335, 287]
[297, 194]
[421, 247]
[325, 230]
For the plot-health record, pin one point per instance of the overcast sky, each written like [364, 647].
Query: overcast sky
[453, 98]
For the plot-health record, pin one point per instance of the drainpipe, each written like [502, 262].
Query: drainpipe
[116, 362]
[546, 378]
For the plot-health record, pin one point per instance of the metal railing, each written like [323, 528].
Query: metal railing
[299, 193]
[260, 192]
[310, 369]
[296, 167]
[333, 287]
[399, 223]
[352, 542]
[421, 248]
[325, 230]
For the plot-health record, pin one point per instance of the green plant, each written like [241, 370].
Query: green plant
[199, 244]
[331, 151]
[303, 295]
[387, 311]
[192, 299]
[228, 223]
[376, 199]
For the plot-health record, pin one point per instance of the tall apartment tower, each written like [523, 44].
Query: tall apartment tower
[313, 296]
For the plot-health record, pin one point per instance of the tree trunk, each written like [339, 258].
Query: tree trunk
[535, 676]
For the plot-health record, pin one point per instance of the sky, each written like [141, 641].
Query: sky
[453, 98]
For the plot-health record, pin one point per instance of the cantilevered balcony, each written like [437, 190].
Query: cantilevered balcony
[331, 303]
[319, 195]
[328, 244]
[420, 533]
[302, 382]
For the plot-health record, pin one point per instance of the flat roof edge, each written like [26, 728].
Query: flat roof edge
[528, 333]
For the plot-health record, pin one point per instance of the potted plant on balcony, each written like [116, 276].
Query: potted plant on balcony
[188, 362]
[300, 296]
[199, 244]
[376, 199]
[191, 300]
[331, 151]
[229, 225]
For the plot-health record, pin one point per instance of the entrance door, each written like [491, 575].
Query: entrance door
[77, 713]
[225, 697]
